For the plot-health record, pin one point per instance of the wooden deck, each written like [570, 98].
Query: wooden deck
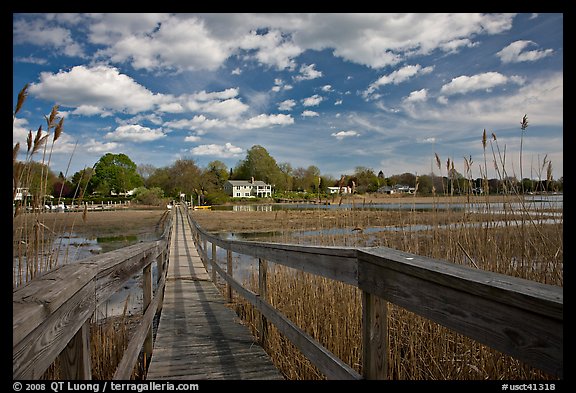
[199, 337]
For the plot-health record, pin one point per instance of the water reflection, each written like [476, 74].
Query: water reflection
[531, 202]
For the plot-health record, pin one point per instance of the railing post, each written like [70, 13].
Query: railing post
[147, 288]
[214, 263]
[229, 270]
[374, 337]
[263, 292]
[161, 261]
[75, 359]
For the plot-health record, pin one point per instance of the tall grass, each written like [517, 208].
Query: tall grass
[33, 234]
[525, 242]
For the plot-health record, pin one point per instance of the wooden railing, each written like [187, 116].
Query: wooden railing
[515, 316]
[52, 313]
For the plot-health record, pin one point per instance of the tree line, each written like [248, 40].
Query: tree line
[117, 174]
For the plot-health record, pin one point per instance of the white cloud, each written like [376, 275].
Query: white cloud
[312, 101]
[338, 102]
[191, 42]
[307, 72]
[264, 120]
[37, 32]
[135, 133]
[20, 131]
[97, 87]
[236, 71]
[198, 121]
[310, 114]
[286, 105]
[223, 151]
[514, 53]
[344, 134]
[540, 98]
[272, 49]
[93, 146]
[465, 84]
[396, 77]
[175, 43]
[31, 60]
[420, 95]
[192, 138]
[91, 110]
[228, 108]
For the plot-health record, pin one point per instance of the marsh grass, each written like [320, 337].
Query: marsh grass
[34, 249]
[516, 242]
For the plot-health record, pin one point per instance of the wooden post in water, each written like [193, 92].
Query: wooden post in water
[229, 270]
[374, 337]
[214, 263]
[147, 288]
[75, 359]
[262, 292]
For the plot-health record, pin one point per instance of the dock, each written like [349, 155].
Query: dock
[199, 335]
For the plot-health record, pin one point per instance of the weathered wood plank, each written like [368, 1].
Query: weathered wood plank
[198, 336]
[517, 292]
[337, 263]
[460, 303]
[33, 354]
[326, 361]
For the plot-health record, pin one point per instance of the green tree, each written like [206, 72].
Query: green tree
[153, 196]
[218, 171]
[260, 165]
[115, 172]
[81, 182]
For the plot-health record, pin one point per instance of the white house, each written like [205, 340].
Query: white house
[336, 190]
[248, 189]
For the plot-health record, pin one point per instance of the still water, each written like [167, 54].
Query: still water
[531, 202]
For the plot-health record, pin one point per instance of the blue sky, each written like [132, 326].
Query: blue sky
[338, 91]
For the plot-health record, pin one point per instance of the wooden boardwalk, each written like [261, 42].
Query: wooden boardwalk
[199, 337]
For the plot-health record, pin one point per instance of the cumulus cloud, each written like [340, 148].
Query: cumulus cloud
[466, 84]
[307, 72]
[223, 151]
[312, 101]
[272, 48]
[135, 133]
[198, 121]
[37, 32]
[310, 114]
[94, 146]
[420, 95]
[344, 134]
[177, 43]
[94, 87]
[180, 42]
[192, 138]
[396, 77]
[514, 53]
[286, 105]
[264, 120]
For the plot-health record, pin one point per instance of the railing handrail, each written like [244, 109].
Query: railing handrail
[519, 317]
[51, 314]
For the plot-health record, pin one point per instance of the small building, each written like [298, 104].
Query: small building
[397, 189]
[22, 193]
[338, 190]
[248, 189]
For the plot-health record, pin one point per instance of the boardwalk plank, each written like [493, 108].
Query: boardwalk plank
[199, 336]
